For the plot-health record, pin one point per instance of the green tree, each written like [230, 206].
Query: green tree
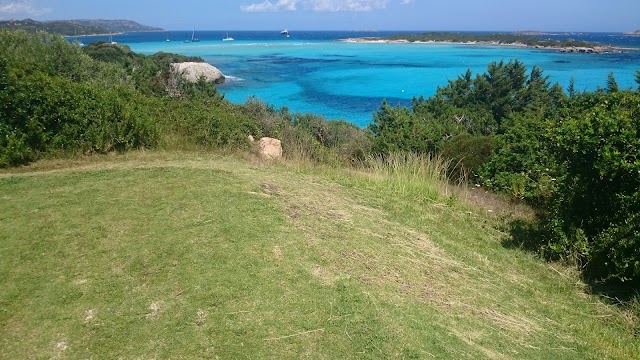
[612, 84]
[571, 89]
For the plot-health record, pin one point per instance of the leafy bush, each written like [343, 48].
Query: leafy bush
[400, 129]
[468, 152]
[42, 113]
[521, 164]
[595, 214]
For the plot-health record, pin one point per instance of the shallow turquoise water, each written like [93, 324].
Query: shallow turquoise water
[349, 80]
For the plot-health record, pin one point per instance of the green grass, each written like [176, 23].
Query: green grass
[191, 255]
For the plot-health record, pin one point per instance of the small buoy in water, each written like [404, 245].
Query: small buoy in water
[402, 90]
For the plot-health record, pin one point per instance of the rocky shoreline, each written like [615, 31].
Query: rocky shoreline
[596, 49]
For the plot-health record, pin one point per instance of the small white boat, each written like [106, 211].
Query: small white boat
[228, 38]
[284, 32]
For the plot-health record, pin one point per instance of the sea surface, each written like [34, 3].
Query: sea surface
[314, 72]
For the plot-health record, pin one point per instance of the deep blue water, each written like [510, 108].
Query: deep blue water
[313, 72]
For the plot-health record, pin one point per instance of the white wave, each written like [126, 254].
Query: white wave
[233, 78]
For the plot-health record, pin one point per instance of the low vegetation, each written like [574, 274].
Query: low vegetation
[360, 243]
[499, 38]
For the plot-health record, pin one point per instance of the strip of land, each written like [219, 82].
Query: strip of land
[517, 40]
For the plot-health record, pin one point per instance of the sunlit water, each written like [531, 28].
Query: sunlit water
[313, 72]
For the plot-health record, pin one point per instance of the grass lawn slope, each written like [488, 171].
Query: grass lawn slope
[190, 255]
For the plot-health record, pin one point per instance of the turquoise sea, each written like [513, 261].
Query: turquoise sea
[315, 72]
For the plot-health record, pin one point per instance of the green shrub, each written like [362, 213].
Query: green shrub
[42, 114]
[522, 164]
[595, 214]
[467, 152]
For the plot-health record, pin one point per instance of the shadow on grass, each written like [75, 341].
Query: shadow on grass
[526, 235]
[529, 235]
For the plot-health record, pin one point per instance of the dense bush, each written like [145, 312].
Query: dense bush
[397, 129]
[468, 152]
[41, 114]
[521, 164]
[595, 214]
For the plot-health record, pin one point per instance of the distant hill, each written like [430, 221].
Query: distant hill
[637, 33]
[77, 27]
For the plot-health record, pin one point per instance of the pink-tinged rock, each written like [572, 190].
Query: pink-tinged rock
[270, 148]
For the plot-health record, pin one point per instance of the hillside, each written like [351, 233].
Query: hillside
[195, 255]
[76, 27]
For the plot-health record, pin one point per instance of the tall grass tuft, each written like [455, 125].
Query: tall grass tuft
[425, 177]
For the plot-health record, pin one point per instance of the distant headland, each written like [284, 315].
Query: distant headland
[634, 33]
[526, 39]
[79, 27]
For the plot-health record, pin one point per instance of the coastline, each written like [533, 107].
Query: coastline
[596, 49]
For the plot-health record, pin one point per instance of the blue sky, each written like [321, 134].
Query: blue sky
[492, 15]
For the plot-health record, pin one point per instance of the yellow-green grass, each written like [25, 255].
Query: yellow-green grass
[192, 255]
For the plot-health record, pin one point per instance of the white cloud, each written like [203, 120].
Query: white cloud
[320, 5]
[281, 5]
[21, 8]
[347, 5]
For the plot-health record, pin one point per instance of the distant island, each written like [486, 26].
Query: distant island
[635, 33]
[77, 27]
[512, 39]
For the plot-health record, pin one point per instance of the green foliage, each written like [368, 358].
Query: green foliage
[53, 55]
[151, 74]
[521, 164]
[612, 84]
[43, 114]
[468, 152]
[457, 37]
[113, 53]
[595, 212]
[462, 119]
[309, 136]
[399, 129]
[571, 89]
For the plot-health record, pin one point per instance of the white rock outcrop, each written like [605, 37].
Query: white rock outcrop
[192, 71]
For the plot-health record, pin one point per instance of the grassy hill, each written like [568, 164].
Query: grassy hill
[193, 255]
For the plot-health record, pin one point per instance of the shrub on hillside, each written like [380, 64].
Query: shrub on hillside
[310, 136]
[53, 55]
[595, 214]
[42, 114]
[522, 165]
[467, 153]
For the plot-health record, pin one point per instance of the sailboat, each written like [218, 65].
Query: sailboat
[228, 38]
[111, 40]
[193, 37]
